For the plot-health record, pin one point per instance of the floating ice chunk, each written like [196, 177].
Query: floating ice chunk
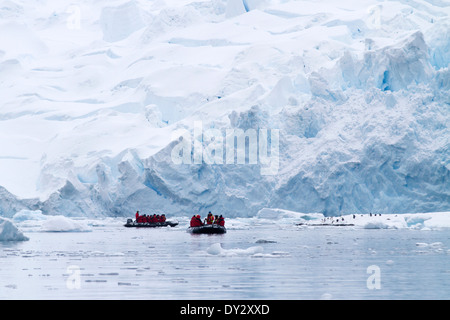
[265, 241]
[422, 244]
[216, 249]
[326, 296]
[63, 224]
[127, 284]
[437, 220]
[275, 254]
[436, 245]
[9, 232]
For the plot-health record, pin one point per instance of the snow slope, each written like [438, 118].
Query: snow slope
[92, 95]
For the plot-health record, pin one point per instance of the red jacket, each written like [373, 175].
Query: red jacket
[196, 222]
[210, 219]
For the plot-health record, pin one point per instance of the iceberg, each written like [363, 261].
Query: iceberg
[216, 249]
[64, 224]
[9, 232]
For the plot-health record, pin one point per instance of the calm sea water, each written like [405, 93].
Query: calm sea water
[252, 261]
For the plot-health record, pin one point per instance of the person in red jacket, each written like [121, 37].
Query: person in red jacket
[210, 218]
[163, 218]
[196, 221]
[137, 216]
[221, 221]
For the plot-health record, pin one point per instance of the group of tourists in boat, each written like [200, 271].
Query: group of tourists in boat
[211, 224]
[155, 218]
[210, 219]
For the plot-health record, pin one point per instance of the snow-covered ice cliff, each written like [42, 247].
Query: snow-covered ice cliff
[94, 94]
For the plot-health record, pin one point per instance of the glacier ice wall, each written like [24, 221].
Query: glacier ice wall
[91, 110]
